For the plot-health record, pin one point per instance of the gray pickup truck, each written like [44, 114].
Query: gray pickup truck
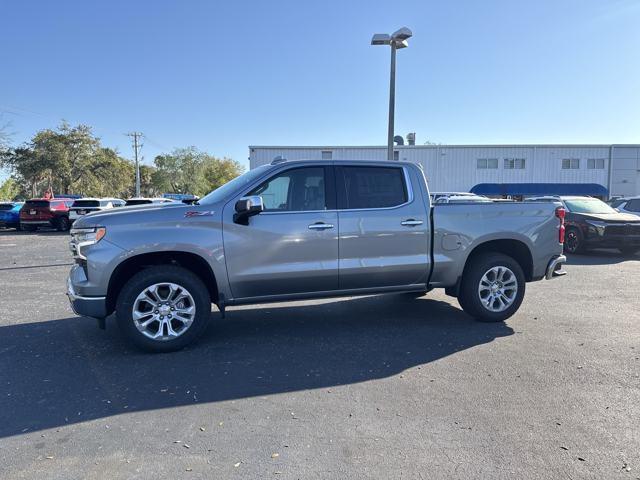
[305, 229]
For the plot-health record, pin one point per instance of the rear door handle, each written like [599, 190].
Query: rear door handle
[411, 222]
[320, 226]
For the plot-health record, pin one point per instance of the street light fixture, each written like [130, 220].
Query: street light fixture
[396, 40]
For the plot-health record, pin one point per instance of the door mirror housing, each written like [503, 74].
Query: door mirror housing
[247, 207]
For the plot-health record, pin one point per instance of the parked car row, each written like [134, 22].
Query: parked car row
[61, 213]
[590, 222]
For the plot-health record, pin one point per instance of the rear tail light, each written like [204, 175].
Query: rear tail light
[560, 213]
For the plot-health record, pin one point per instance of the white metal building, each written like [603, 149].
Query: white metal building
[600, 170]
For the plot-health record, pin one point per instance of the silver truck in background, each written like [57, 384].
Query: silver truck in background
[305, 229]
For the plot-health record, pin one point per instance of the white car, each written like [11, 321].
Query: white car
[627, 205]
[83, 206]
[148, 200]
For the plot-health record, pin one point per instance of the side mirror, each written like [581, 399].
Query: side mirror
[247, 207]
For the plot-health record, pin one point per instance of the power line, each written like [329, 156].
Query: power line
[137, 145]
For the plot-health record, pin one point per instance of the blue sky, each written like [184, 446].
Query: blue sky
[224, 75]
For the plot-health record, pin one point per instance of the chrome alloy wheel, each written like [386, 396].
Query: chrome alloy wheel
[498, 289]
[163, 311]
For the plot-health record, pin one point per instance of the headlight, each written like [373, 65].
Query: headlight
[596, 227]
[84, 237]
[88, 236]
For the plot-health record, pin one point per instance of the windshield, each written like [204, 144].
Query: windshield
[228, 188]
[588, 205]
[617, 203]
[37, 203]
[86, 203]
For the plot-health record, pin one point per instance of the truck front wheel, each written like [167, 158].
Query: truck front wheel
[492, 287]
[163, 308]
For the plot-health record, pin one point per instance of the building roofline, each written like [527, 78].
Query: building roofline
[511, 145]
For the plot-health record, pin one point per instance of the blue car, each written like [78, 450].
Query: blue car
[10, 214]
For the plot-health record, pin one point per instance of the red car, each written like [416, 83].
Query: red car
[43, 212]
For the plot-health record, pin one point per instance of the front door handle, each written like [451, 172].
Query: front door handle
[411, 222]
[320, 226]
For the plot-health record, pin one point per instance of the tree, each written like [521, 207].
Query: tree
[69, 160]
[70, 153]
[5, 135]
[110, 176]
[147, 186]
[9, 189]
[188, 170]
[28, 168]
[217, 172]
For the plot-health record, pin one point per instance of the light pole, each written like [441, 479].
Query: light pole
[396, 40]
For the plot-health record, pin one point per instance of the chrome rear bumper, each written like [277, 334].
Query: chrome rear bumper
[554, 269]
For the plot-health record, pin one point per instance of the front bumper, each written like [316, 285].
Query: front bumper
[95, 307]
[554, 268]
[613, 241]
[37, 222]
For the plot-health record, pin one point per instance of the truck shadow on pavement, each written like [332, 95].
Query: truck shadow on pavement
[66, 371]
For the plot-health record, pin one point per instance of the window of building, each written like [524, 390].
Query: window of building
[484, 163]
[595, 163]
[295, 190]
[373, 187]
[327, 155]
[514, 163]
[570, 163]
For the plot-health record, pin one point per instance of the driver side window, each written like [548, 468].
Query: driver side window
[295, 190]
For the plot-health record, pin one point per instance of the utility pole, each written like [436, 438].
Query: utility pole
[136, 148]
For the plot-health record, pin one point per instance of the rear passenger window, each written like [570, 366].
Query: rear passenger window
[295, 190]
[373, 187]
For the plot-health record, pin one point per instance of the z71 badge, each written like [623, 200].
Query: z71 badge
[194, 213]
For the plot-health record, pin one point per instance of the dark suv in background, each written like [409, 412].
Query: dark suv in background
[43, 212]
[591, 223]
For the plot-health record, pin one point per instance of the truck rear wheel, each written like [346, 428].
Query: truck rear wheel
[163, 308]
[573, 241]
[492, 288]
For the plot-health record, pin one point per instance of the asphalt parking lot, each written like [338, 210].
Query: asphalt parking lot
[373, 387]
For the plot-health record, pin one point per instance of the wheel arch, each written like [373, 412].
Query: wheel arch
[132, 265]
[516, 249]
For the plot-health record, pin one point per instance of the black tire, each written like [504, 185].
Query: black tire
[469, 296]
[573, 242]
[155, 275]
[29, 228]
[629, 250]
[63, 224]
